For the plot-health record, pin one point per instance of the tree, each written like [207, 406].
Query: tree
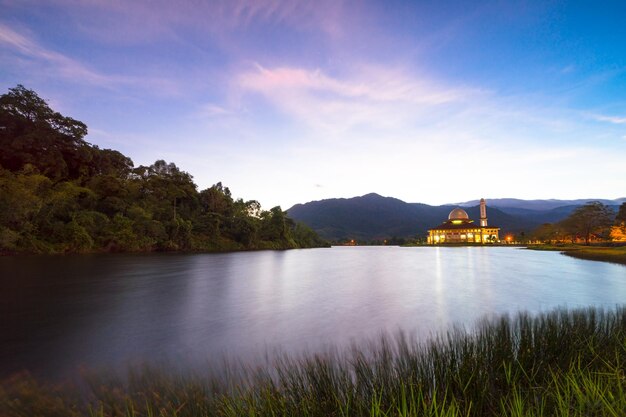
[216, 200]
[620, 219]
[591, 218]
[276, 226]
[545, 233]
[59, 193]
[110, 162]
[618, 231]
[32, 133]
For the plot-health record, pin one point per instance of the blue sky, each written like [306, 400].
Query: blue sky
[287, 102]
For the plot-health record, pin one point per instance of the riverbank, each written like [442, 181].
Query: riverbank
[216, 249]
[558, 363]
[615, 254]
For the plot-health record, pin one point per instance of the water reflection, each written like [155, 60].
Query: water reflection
[57, 313]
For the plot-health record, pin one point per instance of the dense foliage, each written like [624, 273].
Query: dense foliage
[58, 193]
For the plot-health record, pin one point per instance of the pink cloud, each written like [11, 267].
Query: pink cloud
[375, 84]
[611, 119]
[376, 97]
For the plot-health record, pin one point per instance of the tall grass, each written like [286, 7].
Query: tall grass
[561, 363]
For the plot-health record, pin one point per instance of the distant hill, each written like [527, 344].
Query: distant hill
[540, 205]
[373, 216]
[367, 217]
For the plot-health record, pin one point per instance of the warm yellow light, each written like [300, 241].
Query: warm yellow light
[470, 235]
[618, 233]
[457, 221]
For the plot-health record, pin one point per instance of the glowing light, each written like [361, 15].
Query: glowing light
[457, 221]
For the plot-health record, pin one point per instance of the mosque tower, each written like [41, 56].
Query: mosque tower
[483, 213]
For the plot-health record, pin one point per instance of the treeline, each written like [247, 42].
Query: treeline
[60, 194]
[593, 221]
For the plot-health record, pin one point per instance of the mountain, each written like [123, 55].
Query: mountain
[366, 217]
[541, 205]
[373, 216]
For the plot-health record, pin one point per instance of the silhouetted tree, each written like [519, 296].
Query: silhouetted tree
[32, 133]
[591, 218]
[620, 218]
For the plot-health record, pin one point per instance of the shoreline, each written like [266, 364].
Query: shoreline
[146, 252]
[611, 254]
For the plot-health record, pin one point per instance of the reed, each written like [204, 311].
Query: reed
[559, 363]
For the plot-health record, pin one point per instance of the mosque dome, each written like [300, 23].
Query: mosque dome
[458, 214]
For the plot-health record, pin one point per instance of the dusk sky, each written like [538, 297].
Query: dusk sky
[287, 102]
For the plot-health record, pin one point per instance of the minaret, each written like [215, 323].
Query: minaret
[483, 213]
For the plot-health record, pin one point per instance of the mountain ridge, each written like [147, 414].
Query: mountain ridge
[374, 217]
[540, 204]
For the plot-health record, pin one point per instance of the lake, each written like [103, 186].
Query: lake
[58, 313]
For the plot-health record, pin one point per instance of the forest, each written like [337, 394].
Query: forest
[61, 194]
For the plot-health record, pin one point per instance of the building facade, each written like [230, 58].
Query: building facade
[459, 228]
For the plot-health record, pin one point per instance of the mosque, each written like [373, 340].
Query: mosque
[460, 229]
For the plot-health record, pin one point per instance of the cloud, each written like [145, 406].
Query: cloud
[67, 67]
[73, 70]
[143, 20]
[371, 96]
[374, 84]
[611, 119]
[211, 110]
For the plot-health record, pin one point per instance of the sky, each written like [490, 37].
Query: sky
[286, 102]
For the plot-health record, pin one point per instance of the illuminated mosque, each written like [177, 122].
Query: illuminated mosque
[460, 229]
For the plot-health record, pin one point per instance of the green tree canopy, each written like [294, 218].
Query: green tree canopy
[59, 193]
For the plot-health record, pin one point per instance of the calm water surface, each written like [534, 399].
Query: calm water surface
[59, 313]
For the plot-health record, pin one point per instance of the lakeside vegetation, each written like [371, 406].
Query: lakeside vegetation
[559, 363]
[615, 254]
[592, 222]
[61, 194]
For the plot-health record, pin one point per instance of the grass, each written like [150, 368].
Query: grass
[615, 254]
[561, 363]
